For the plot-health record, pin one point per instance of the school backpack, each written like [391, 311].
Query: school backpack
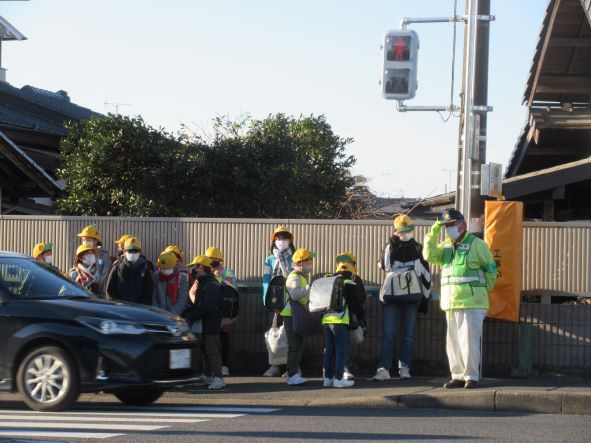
[275, 295]
[326, 294]
[230, 301]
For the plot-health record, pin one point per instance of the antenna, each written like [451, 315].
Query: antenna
[421, 201]
[116, 105]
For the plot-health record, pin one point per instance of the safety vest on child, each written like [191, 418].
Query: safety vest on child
[297, 285]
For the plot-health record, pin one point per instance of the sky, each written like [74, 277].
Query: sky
[183, 62]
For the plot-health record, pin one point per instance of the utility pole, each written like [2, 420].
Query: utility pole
[472, 152]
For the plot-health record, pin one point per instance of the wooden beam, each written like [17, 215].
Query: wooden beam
[543, 53]
[564, 84]
[574, 42]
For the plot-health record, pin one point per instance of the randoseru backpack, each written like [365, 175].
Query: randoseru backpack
[275, 295]
[230, 301]
[326, 294]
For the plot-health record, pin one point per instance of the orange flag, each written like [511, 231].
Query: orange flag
[503, 232]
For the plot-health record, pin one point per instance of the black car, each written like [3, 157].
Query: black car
[57, 341]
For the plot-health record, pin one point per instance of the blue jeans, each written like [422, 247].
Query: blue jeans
[336, 349]
[394, 313]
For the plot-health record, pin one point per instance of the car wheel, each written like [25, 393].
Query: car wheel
[48, 379]
[139, 397]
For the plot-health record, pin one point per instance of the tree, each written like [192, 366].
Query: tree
[280, 167]
[120, 166]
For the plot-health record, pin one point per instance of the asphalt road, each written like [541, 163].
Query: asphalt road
[113, 422]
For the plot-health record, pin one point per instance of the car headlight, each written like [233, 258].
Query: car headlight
[107, 326]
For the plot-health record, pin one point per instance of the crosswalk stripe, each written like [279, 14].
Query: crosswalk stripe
[88, 418]
[50, 434]
[153, 414]
[211, 408]
[51, 425]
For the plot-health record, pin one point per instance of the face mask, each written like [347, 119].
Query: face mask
[89, 260]
[48, 259]
[132, 256]
[405, 236]
[307, 268]
[282, 245]
[166, 271]
[453, 232]
[90, 243]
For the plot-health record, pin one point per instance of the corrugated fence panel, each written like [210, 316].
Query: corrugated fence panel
[557, 256]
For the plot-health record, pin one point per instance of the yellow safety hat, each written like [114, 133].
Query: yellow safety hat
[124, 237]
[40, 248]
[281, 230]
[346, 267]
[346, 256]
[90, 231]
[403, 223]
[202, 260]
[214, 253]
[178, 251]
[83, 248]
[302, 254]
[132, 243]
[167, 260]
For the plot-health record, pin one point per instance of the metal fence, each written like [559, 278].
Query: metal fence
[557, 257]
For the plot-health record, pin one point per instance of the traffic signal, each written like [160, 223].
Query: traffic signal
[399, 73]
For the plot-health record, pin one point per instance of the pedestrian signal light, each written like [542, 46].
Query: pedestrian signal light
[399, 72]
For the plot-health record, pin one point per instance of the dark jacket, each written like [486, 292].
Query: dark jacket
[355, 297]
[207, 305]
[130, 282]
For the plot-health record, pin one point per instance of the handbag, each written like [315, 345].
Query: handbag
[356, 336]
[401, 285]
[276, 342]
[305, 323]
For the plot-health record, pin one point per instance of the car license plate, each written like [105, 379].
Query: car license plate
[180, 358]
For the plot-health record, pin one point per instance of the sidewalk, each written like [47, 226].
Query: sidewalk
[542, 396]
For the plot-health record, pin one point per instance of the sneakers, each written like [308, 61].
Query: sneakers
[328, 382]
[296, 379]
[404, 372]
[454, 384]
[217, 383]
[471, 384]
[205, 379]
[347, 375]
[343, 383]
[381, 375]
[225, 371]
[273, 371]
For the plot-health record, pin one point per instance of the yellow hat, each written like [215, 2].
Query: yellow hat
[346, 256]
[202, 260]
[281, 230]
[90, 231]
[214, 253]
[403, 223]
[121, 241]
[40, 248]
[166, 260]
[132, 243]
[178, 251]
[302, 254]
[83, 248]
[346, 267]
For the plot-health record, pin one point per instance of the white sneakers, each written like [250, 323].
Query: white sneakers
[347, 375]
[217, 383]
[206, 379]
[381, 375]
[404, 371]
[327, 382]
[273, 371]
[225, 371]
[343, 383]
[296, 379]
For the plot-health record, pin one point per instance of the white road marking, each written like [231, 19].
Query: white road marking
[50, 434]
[212, 408]
[154, 414]
[88, 418]
[50, 425]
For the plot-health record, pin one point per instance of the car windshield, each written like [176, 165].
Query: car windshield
[25, 278]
